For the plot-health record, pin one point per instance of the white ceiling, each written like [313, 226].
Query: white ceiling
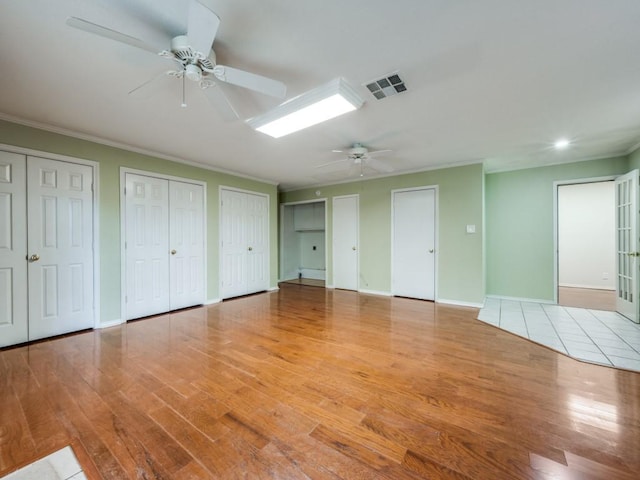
[496, 81]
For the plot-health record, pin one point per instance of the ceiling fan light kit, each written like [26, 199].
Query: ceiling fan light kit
[310, 108]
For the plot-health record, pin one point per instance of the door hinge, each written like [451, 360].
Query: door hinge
[125, 191]
[126, 299]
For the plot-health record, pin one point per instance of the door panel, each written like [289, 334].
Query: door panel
[413, 269]
[345, 242]
[627, 248]
[256, 236]
[244, 236]
[146, 245]
[13, 249]
[60, 245]
[186, 265]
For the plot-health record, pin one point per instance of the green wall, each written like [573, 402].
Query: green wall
[634, 159]
[460, 202]
[519, 225]
[110, 160]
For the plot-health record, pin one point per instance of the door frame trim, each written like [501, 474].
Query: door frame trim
[556, 256]
[333, 257]
[95, 168]
[436, 233]
[123, 266]
[326, 236]
[219, 245]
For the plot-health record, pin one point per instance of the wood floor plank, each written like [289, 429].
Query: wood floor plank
[321, 384]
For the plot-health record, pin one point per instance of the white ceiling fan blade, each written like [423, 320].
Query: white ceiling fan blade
[332, 163]
[252, 81]
[202, 26]
[379, 165]
[105, 32]
[220, 102]
[378, 152]
[140, 87]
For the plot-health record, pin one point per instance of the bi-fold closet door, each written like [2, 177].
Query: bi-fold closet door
[46, 247]
[164, 236]
[244, 235]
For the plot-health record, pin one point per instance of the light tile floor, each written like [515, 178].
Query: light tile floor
[60, 465]
[595, 336]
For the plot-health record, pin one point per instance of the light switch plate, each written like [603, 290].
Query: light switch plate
[471, 229]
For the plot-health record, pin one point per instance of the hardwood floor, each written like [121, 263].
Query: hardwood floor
[587, 298]
[322, 384]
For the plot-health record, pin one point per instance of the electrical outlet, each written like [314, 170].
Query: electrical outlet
[605, 276]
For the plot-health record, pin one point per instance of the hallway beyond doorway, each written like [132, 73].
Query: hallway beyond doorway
[587, 298]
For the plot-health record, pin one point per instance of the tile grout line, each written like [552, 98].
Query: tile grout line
[587, 334]
[618, 335]
[555, 330]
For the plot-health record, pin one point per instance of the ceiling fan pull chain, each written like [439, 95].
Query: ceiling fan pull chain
[184, 101]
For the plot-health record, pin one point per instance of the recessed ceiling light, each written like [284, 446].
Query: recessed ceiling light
[561, 144]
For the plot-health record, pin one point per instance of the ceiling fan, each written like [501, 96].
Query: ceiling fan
[194, 59]
[358, 158]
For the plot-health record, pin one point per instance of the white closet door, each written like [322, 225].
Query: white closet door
[413, 268]
[627, 250]
[13, 250]
[234, 243]
[345, 242]
[186, 264]
[146, 246]
[60, 247]
[256, 222]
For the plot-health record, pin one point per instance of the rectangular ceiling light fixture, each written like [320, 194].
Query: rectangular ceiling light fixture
[315, 106]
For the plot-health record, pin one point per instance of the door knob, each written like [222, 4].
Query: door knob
[250, 248]
[353, 248]
[633, 254]
[34, 258]
[431, 250]
[173, 252]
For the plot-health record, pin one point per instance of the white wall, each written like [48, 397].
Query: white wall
[586, 235]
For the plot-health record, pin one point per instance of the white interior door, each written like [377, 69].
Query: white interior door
[186, 225]
[13, 250]
[234, 243]
[60, 247]
[345, 242]
[627, 245]
[257, 226]
[146, 245]
[413, 267]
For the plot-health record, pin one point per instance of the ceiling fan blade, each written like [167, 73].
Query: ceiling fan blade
[378, 152]
[332, 163]
[140, 87]
[379, 165]
[252, 81]
[221, 103]
[105, 32]
[202, 26]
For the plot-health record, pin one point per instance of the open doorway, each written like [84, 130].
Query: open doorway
[303, 243]
[587, 245]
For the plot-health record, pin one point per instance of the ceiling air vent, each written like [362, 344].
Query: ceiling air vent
[386, 86]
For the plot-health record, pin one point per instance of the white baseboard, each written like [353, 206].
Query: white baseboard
[330, 286]
[110, 323]
[590, 287]
[521, 299]
[212, 301]
[273, 289]
[459, 303]
[374, 292]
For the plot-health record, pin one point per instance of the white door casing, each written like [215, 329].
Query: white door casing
[146, 245]
[13, 250]
[413, 243]
[60, 247]
[627, 245]
[345, 242]
[186, 240]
